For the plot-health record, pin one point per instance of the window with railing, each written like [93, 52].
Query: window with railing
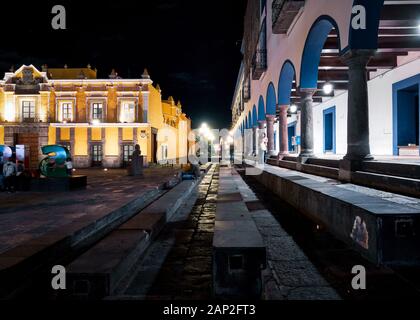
[246, 90]
[28, 110]
[128, 112]
[67, 111]
[97, 111]
[259, 61]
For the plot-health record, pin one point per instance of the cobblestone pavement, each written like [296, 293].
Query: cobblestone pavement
[179, 264]
[28, 215]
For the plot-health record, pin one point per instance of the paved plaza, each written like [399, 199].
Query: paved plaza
[28, 215]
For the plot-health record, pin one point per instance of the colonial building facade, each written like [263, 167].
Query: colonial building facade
[320, 84]
[99, 120]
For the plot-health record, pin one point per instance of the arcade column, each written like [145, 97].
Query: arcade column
[284, 138]
[254, 139]
[307, 125]
[358, 147]
[270, 135]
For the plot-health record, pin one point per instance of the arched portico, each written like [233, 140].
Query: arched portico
[285, 85]
[309, 72]
[271, 106]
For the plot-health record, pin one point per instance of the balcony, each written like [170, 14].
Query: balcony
[284, 12]
[246, 90]
[259, 63]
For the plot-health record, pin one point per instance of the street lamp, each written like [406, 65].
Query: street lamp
[293, 108]
[328, 88]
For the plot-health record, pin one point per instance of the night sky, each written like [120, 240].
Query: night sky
[191, 48]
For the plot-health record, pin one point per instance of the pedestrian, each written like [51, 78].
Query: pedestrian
[263, 148]
[69, 166]
[9, 173]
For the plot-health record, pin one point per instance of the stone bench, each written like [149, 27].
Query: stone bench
[239, 253]
[382, 231]
[98, 272]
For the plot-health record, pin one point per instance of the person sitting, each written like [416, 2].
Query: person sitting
[9, 173]
[69, 166]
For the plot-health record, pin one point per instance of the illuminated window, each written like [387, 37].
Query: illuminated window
[127, 152]
[97, 111]
[128, 110]
[28, 110]
[67, 111]
[97, 154]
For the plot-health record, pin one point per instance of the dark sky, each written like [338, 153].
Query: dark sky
[191, 48]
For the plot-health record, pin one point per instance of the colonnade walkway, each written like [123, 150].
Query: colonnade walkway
[381, 226]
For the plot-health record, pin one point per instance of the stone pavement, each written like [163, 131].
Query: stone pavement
[29, 215]
[179, 264]
[290, 274]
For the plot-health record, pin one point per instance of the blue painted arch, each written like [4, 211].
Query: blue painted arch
[311, 56]
[261, 109]
[287, 75]
[250, 120]
[254, 116]
[271, 100]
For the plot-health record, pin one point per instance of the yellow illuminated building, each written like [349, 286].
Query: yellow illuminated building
[99, 120]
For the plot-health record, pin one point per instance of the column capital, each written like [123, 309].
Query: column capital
[357, 57]
[307, 92]
[270, 118]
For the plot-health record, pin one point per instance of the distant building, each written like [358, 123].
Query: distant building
[99, 120]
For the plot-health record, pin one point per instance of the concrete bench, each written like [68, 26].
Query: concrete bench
[239, 253]
[382, 231]
[98, 272]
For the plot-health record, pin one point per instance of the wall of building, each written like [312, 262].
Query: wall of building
[380, 112]
[281, 48]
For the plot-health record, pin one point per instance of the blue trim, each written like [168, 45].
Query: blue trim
[249, 120]
[311, 55]
[287, 75]
[396, 87]
[261, 109]
[271, 100]
[254, 116]
[326, 112]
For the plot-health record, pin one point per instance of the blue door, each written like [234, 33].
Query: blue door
[329, 130]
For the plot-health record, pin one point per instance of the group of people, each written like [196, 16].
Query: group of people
[11, 174]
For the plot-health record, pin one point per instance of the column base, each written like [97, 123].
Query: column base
[350, 164]
[303, 157]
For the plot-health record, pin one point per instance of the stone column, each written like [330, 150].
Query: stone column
[284, 134]
[307, 124]
[358, 147]
[270, 135]
[254, 140]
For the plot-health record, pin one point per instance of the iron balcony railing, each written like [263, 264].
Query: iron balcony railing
[246, 90]
[283, 14]
[259, 63]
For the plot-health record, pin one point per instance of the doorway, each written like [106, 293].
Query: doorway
[291, 130]
[97, 155]
[329, 130]
[406, 117]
